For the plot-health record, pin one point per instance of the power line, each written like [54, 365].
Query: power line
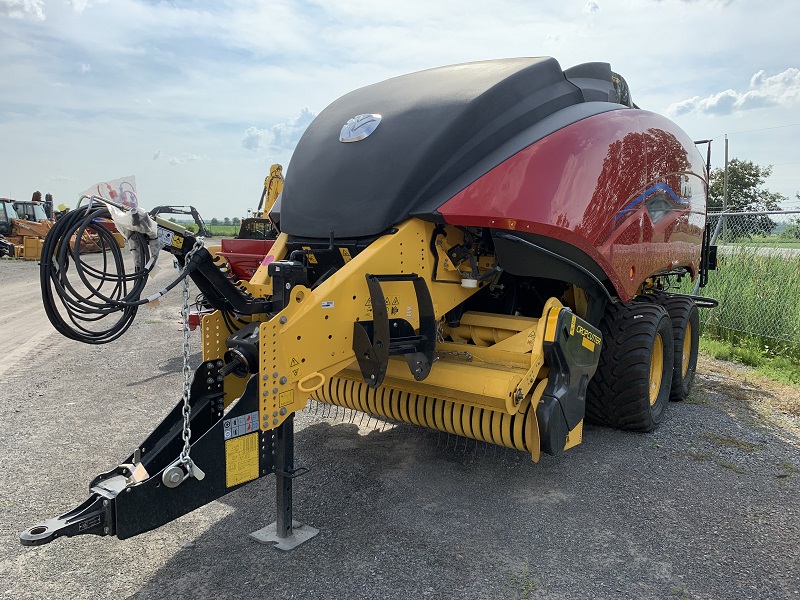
[764, 128]
[717, 136]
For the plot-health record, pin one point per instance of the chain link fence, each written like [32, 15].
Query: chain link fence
[757, 281]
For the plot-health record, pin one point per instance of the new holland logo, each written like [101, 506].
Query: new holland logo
[359, 127]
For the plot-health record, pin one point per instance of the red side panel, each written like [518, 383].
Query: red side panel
[626, 187]
[244, 256]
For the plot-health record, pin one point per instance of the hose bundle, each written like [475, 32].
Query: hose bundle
[92, 289]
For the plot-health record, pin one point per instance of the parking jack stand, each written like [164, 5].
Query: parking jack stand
[285, 533]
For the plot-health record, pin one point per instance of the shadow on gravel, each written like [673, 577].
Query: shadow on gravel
[169, 367]
[392, 525]
[407, 513]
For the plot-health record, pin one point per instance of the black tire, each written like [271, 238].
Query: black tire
[685, 320]
[619, 394]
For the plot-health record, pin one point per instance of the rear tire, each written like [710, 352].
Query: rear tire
[686, 335]
[631, 387]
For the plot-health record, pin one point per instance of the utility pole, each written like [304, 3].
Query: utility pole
[725, 194]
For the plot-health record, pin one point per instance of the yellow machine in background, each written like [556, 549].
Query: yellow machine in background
[273, 186]
[24, 236]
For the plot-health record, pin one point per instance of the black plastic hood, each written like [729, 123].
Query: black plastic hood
[437, 126]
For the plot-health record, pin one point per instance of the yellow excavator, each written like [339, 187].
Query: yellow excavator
[452, 254]
[257, 232]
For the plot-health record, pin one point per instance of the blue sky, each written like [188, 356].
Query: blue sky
[197, 99]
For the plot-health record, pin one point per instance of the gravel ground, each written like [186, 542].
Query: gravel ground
[705, 507]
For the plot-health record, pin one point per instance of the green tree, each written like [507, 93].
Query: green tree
[214, 222]
[746, 193]
[237, 221]
[227, 221]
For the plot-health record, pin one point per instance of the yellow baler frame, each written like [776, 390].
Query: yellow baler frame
[308, 345]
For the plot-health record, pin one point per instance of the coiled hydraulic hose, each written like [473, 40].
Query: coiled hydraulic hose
[92, 289]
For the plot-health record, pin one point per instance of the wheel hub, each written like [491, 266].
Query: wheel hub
[656, 368]
[687, 349]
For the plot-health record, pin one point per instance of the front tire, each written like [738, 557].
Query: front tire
[631, 388]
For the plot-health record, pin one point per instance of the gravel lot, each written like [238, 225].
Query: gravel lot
[705, 507]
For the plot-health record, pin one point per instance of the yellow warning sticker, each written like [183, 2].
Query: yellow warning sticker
[588, 344]
[345, 255]
[572, 326]
[312, 260]
[241, 459]
[286, 397]
[294, 366]
[177, 241]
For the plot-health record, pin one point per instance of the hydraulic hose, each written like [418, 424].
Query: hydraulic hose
[92, 290]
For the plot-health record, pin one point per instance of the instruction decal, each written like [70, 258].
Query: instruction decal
[238, 426]
[241, 459]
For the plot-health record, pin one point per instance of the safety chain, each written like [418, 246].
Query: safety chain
[184, 459]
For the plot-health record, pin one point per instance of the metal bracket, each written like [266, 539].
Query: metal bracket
[94, 516]
[294, 473]
[374, 341]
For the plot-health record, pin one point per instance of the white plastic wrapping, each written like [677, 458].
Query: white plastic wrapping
[130, 219]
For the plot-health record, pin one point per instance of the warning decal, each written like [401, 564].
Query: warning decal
[294, 366]
[240, 425]
[312, 260]
[241, 459]
[177, 241]
[165, 236]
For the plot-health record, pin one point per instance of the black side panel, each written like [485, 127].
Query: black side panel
[515, 259]
[436, 125]
[594, 79]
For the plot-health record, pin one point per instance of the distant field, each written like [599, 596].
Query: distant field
[217, 230]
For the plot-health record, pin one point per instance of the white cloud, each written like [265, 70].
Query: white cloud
[782, 89]
[80, 5]
[19, 9]
[62, 179]
[282, 136]
[157, 154]
[179, 160]
[213, 78]
[85, 67]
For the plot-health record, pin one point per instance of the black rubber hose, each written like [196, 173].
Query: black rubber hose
[81, 294]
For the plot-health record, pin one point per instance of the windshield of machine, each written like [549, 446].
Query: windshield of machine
[8, 209]
[38, 213]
